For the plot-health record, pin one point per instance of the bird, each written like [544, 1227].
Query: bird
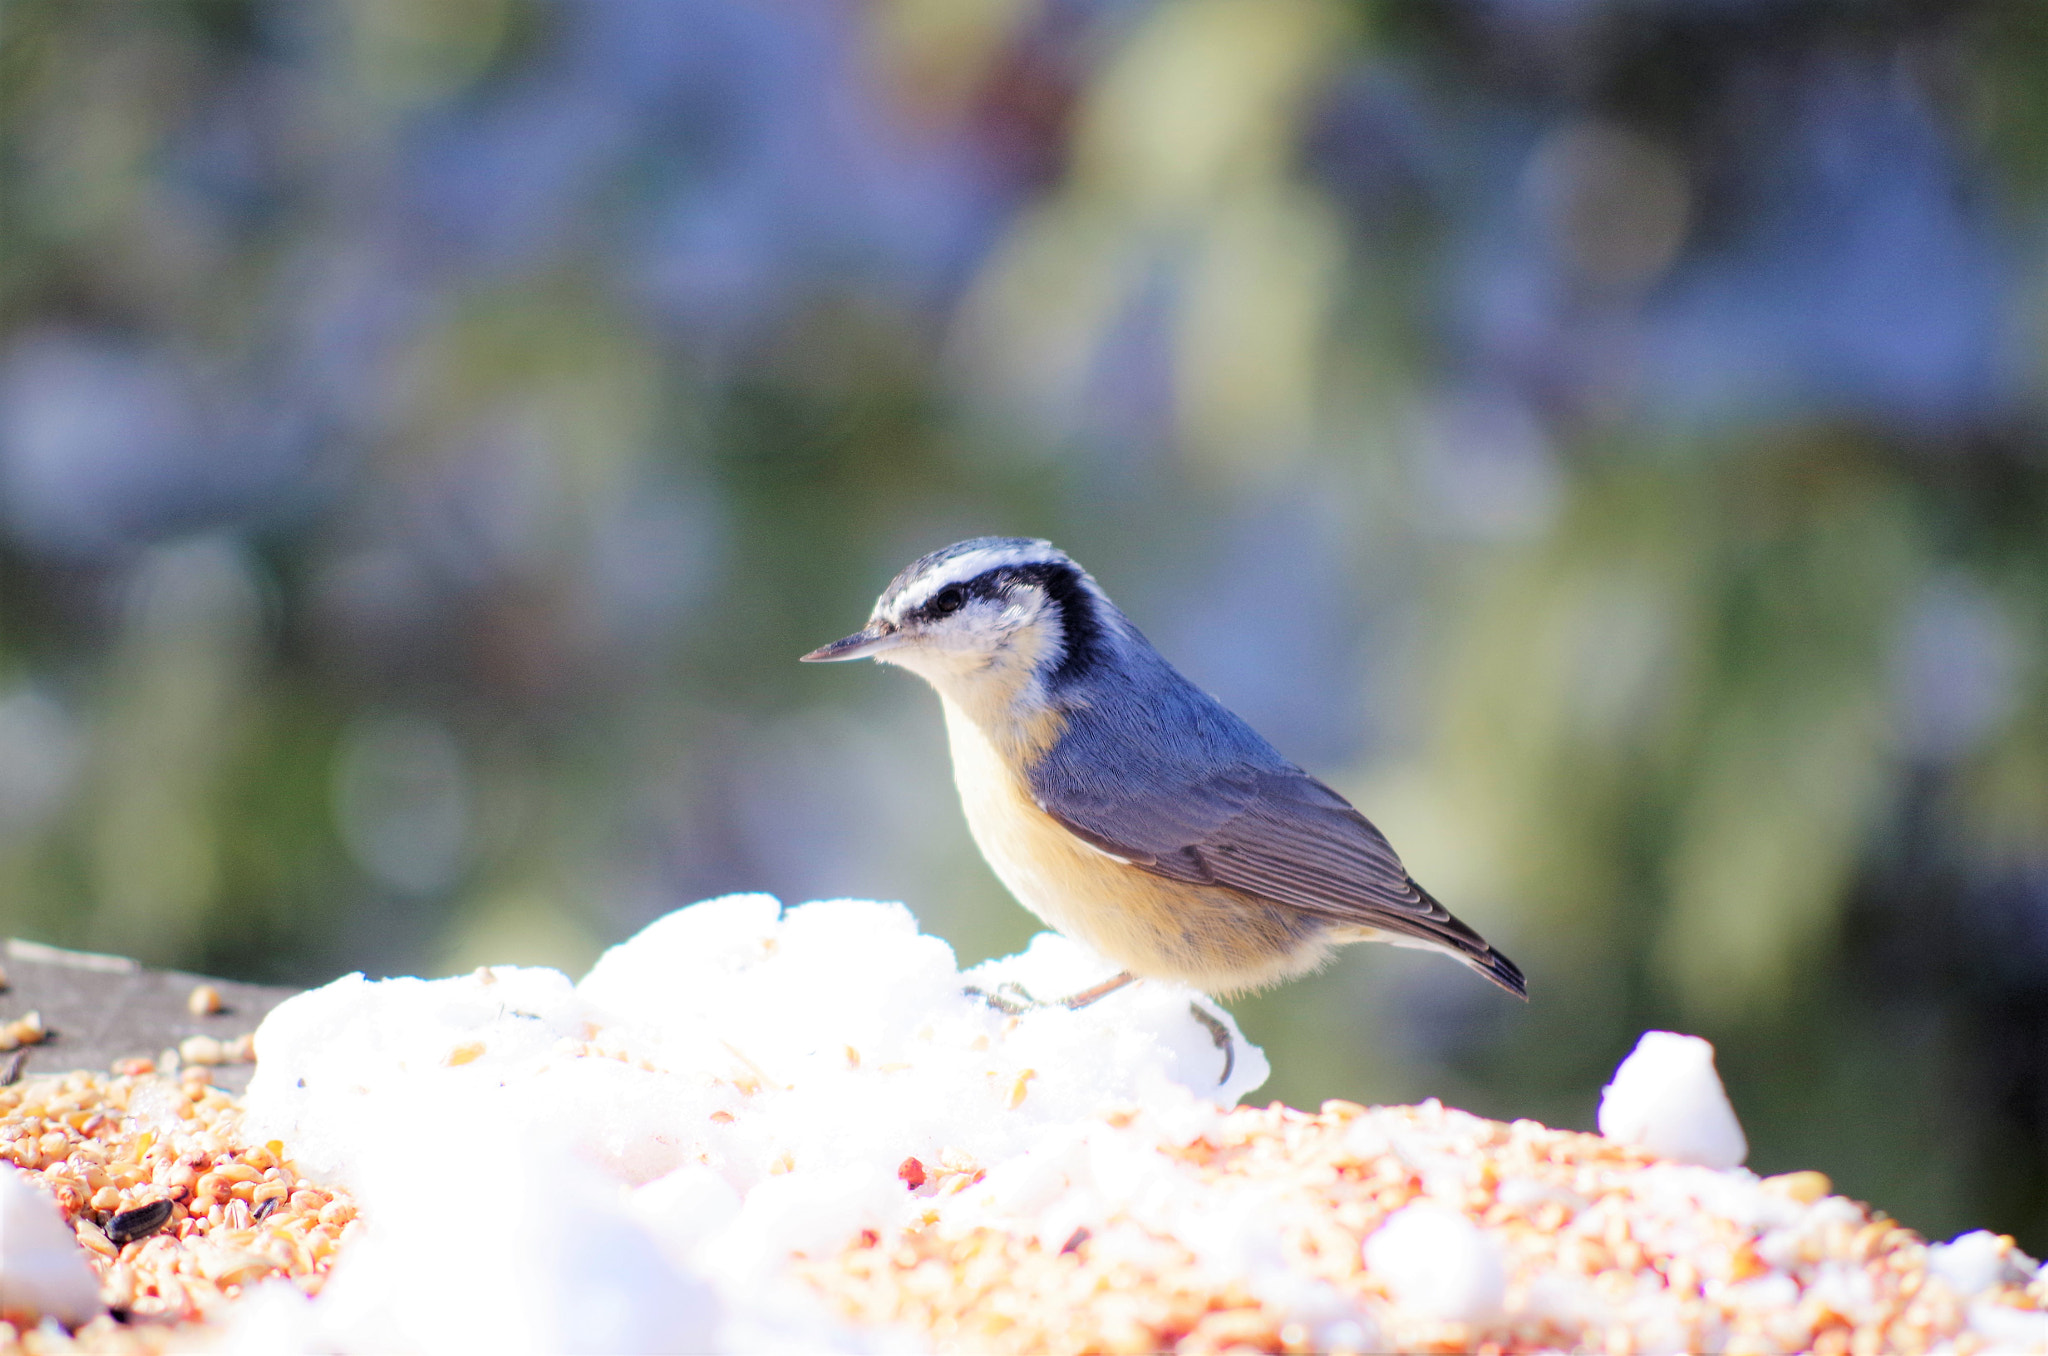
[1124, 806]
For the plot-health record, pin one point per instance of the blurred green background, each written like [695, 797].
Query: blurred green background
[1603, 438]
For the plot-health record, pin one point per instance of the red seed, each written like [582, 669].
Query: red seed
[912, 1173]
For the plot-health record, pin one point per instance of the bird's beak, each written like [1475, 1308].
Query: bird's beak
[871, 641]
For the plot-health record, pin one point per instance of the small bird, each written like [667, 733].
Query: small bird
[1125, 806]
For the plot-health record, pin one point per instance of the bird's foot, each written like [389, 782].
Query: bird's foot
[1221, 1035]
[1009, 998]
[1013, 999]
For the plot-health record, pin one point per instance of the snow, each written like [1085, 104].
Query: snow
[557, 1263]
[1667, 1097]
[42, 1270]
[1437, 1262]
[1977, 1261]
[632, 1162]
[643, 1160]
[2007, 1329]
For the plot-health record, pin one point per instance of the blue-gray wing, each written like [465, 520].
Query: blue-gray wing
[1210, 803]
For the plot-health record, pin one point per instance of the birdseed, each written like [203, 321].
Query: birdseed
[1607, 1249]
[175, 1213]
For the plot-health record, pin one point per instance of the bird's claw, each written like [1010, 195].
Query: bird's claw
[1221, 1035]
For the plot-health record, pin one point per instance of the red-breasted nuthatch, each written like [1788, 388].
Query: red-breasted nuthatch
[1123, 805]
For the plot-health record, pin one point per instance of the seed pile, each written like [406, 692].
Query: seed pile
[176, 1214]
[753, 1128]
[1600, 1247]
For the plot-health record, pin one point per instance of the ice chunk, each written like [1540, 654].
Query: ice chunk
[686, 958]
[1439, 1264]
[1975, 1262]
[42, 1269]
[1348, 1334]
[1667, 1098]
[273, 1318]
[809, 1214]
[558, 1265]
[340, 1066]
[684, 1210]
[2007, 1329]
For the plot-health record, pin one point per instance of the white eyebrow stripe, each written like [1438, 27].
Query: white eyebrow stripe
[974, 564]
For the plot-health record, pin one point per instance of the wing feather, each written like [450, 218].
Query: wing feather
[1273, 832]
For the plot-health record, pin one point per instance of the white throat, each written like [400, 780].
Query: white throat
[1000, 688]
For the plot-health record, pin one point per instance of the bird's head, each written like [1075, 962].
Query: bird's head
[988, 615]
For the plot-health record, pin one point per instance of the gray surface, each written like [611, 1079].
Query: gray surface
[103, 1008]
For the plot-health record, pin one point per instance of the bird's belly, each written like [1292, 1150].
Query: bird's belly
[1213, 939]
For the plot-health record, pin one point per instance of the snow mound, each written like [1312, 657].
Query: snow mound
[757, 1129]
[1667, 1098]
[634, 1161]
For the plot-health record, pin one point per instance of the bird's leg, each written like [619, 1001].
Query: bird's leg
[1221, 1035]
[1011, 998]
[1103, 990]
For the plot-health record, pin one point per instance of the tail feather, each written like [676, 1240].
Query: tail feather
[1499, 969]
[1468, 946]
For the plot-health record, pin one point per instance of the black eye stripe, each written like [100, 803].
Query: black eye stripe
[1081, 627]
[950, 599]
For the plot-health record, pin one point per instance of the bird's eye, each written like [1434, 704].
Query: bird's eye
[947, 601]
